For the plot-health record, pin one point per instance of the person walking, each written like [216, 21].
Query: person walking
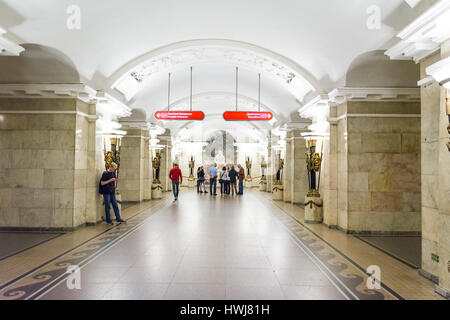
[107, 187]
[223, 180]
[201, 180]
[233, 175]
[176, 176]
[241, 174]
[213, 180]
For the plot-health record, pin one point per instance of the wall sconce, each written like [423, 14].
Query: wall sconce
[280, 168]
[314, 165]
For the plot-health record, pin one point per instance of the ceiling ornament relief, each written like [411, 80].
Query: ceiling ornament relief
[134, 80]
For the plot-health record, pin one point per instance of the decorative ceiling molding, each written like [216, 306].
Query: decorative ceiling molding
[440, 71]
[8, 47]
[342, 95]
[423, 36]
[131, 78]
[105, 103]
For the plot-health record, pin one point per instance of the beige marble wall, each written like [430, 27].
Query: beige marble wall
[133, 157]
[43, 161]
[378, 174]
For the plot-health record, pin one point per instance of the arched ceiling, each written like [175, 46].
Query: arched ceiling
[126, 48]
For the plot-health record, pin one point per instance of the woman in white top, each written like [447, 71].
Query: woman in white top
[223, 179]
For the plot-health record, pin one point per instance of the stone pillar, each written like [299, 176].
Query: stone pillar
[435, 179]
[330, 175]
[295, 175]
[289, 164]
[166, 162]
[44, 177]
[95, 169]
[148, 171]
[132, 165]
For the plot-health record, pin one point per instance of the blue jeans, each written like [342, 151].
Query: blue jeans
[241, 187]
[213, 182]
[110, 198]
[176, 188]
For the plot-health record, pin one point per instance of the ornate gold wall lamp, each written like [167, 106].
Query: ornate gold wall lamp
[263, 169]
[279, 180]
[248, 164]
[156, 165]
[313, 165]
[191, 167]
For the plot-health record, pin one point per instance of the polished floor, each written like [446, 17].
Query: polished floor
[405, 248]
[201, 247]
[15, 242]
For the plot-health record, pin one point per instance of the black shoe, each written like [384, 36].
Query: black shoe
[110, 223]
[121, 221]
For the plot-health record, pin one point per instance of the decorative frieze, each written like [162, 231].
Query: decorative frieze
[106, 104]
[8, 47]
[423, 36]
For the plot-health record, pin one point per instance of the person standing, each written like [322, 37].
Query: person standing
[201, 180]
[177, 178]
[233, 177]
[213, 180]
[223, 181]
[241, 174]
[227, 182]
[107, 187]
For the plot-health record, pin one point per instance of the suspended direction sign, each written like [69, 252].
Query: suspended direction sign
[179, 115]
[247, 116]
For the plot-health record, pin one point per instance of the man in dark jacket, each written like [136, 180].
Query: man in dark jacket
[108, 189]
[233, 175]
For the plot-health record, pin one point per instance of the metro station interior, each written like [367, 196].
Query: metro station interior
[338, 113]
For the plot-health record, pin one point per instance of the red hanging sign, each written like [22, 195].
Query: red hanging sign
[247, 116]
[179, 115]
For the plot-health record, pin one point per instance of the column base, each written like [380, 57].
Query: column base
[191, 182]
[313, 210]
[157, 191]
[263, 186]
[277, 192]
[442, 291]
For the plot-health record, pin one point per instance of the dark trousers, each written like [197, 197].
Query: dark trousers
[222, 187]
[110, 198]
[176, 188]
[241, 186]
[227, 187]
[213, 185]
[199, 182]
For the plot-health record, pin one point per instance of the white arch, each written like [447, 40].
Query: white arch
[131, 78]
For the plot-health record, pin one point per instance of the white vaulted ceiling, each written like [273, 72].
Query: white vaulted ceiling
[300, 47]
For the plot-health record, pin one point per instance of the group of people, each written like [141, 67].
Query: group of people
[228, 178]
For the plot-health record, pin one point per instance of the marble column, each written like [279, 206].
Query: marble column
[132, 165]
[296, 174]
[46, 146]
[435, 179]
[329, 190]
